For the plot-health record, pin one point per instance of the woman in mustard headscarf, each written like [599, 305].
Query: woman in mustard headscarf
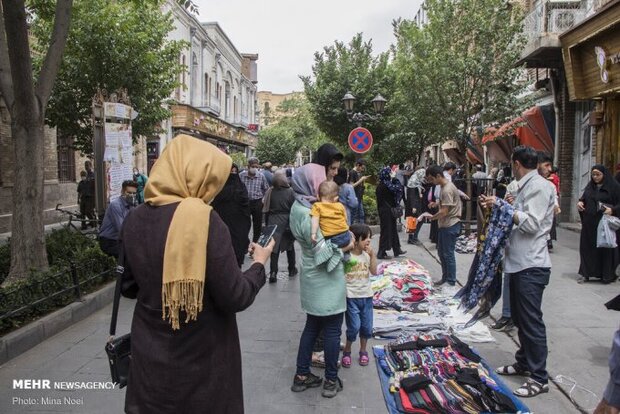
[180, 263]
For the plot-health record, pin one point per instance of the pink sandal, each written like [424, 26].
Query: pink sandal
[346, 360]
[364, 359]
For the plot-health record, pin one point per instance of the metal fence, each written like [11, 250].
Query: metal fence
[52, 287]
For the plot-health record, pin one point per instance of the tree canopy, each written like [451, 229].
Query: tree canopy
[112, 45]
[295, 130]
[459, 70]
[343, 68]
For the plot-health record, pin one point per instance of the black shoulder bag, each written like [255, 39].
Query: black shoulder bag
[118, 349]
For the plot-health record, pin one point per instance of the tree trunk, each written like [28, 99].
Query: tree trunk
[27, 229]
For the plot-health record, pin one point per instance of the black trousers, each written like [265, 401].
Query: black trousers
[87, 210]
[388, 238]
[275, 256]
[526, 292]
[256, 211]
[109, 246]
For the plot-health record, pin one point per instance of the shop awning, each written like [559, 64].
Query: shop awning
[535, 128]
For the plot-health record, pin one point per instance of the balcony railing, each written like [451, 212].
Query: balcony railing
[553, 17]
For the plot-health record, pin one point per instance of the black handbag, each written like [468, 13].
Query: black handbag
[397, 212]
[118, 349]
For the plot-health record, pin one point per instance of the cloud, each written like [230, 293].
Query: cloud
[286, 34]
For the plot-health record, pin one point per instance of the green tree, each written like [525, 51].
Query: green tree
[295, 130]
[26, 93]
[460, 67]
[341, 68]
[135, 55]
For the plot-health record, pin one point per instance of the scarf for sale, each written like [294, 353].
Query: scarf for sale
[190, 172]
[484, 283]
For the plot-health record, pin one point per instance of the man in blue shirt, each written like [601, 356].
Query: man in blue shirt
[257, 186]
[114, 217]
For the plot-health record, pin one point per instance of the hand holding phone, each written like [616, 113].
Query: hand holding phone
[266, 234]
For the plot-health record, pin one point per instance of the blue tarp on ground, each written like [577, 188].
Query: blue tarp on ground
[379, 353]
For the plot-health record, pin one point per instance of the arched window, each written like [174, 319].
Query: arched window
[227, 100]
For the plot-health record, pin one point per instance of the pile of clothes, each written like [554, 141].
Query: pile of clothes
[405, 303]
[401, 285]
[440, 374]
[466, 244]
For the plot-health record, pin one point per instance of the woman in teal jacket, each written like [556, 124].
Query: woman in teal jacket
[322, 286]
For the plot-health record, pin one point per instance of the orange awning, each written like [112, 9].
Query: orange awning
[530, 129]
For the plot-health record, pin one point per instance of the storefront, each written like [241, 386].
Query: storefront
[591, 53]
[229, 138]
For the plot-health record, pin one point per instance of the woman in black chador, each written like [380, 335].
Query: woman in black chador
[233, 206]
[598, 263]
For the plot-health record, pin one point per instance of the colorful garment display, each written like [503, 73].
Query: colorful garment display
[440, 374]
[401, 285]
[484, 283]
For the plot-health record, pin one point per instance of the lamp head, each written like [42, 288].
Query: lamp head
[379, 103]
[348, 100]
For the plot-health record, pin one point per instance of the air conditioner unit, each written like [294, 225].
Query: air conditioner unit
[561, 20]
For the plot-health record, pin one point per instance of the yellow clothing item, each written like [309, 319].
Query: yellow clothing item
[190, 172]
[332, 218]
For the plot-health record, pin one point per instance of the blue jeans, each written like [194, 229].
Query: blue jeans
[359, 318]
[506, 296]
[526, 292]
[332, 329]
[341, 239]
[358, 213]
[446, 246]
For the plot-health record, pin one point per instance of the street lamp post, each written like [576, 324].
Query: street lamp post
[378, 104]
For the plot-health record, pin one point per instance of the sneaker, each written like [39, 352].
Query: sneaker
[502, 323]
[331, 387]
[302, 383]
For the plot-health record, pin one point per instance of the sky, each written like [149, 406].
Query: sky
[287, 33]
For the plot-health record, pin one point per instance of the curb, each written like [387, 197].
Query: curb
[17, 342]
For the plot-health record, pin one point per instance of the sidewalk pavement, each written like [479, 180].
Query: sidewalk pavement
[579, 330]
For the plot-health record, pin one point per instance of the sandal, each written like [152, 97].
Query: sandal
[530, 389]
[513, 369]
[346, 360]
[364, 359]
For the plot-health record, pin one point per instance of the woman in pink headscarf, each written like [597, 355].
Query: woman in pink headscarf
[322, 286]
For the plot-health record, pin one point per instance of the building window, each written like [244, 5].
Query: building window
[206, 98]
[227, 101]
[66, 160]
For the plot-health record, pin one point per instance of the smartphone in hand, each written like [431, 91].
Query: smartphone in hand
[266, 234]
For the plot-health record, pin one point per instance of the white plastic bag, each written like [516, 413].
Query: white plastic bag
[606, 232]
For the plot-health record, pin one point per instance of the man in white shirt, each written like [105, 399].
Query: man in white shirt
[528, 263]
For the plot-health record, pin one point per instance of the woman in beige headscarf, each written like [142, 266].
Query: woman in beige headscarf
[180, 264]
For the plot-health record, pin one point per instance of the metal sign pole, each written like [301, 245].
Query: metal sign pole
[99, 167]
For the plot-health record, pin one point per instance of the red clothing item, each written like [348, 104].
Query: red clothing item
[556, 181]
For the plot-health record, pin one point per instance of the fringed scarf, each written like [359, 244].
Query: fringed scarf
[190, 172]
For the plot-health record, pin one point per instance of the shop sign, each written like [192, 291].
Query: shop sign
[603, 61]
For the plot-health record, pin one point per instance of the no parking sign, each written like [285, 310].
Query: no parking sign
[360, 140]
